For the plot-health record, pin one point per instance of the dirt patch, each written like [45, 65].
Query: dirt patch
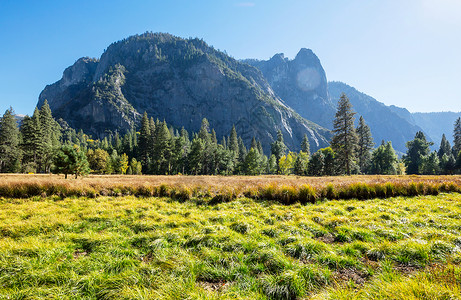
[327, 239]
[407, 269]
[79, 253]
[219, 286]
[348, 274]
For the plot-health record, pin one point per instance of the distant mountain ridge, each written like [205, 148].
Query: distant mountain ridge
[385, 124]
[302, 84]
[180, 81]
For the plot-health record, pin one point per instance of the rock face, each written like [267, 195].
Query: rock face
[301, 83]
[384, 122]
[180, 81]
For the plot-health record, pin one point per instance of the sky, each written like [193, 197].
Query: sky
[404, 53]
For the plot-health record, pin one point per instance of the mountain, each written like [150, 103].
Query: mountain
[301, 83]
[385, 123]
[435, 124]
[180, 81]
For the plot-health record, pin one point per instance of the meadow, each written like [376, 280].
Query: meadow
[111, 245]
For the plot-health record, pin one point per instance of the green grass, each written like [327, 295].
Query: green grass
[158, 248]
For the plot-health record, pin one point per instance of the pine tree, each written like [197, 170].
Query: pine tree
[10, 153]
[329, 160]
[316, 164]
[305, 146]
[417, 150]
[254, 144]
[195, 157]
[71, 160]
[143, 143]
[384, 160]
[301, 163]
[457, 137]
[251, 165]
[49, 138]
[344, 142]
[431, 164]
[233, 143]
[364, 146]
[278, 149]
[31, 141]
[162, 150]
[445, 147]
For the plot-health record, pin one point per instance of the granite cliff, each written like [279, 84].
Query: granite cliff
[178, 80]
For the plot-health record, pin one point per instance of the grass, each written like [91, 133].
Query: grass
[128, 247]
[218, 189]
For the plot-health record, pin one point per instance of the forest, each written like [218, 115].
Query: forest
[41, 144]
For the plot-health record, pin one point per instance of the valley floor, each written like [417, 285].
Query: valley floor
[131, 247]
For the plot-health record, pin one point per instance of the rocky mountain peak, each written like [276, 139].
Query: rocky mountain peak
[180, 81]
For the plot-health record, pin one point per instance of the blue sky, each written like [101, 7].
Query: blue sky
[406, 53]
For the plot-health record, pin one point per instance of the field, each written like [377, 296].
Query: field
[111, 245]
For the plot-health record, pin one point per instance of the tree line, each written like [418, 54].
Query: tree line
[40, 144]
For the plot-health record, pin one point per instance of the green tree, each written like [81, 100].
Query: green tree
[123, 163]
[447, 164]
[384, 160]
[30, 144]
[233, 144]
[161, 159]
[431, 164]
[344, 142]
[445, 147]
[99, 161]
[364, 146]
[278, 149]
[71, 160]
[143, 143]
[136, 167]
[252, 163]
[457, 137]
[195, 157]
[286, 163]
[316, 164]
[10, 153]
[49, 138]
[417, 150]
[301, 163]
[329, 161]
[305, 146]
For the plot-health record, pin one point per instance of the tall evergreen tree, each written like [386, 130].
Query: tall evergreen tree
[278, 149]
[301, 163]
[457, 137]
[143, 143]
[10, 153]
[344, 142]
[49, 138]
[364, 146]
[417, 150]
[233, 143]
[445, 147]
[305, 146]
[384, 160]
[316, 164]
[162, 150]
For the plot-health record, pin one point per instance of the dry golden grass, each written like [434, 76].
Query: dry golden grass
[286, 189]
